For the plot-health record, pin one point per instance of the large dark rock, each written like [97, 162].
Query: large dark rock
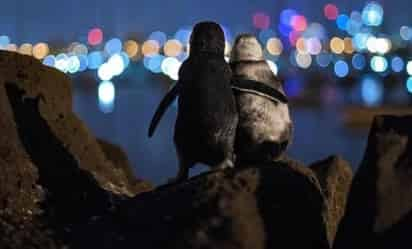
[264, 206]
[54, 176]
[379, 208]
[52, 91]
[335, 177]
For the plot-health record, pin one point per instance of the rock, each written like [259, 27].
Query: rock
[118, 157]
[302, 169]
[379, 208]
[120, 161]
[30, 234]
[53, 89]
[68, 195]
[54, 176]
[19, 193]
[262, 206]
[335, 177]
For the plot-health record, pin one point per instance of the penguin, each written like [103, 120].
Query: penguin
[265, 128]
[207, 117]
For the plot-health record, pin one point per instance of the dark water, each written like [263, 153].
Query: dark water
[318, 132]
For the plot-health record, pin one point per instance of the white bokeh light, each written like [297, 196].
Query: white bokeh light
[116, 64]
[105, 72]
[106, 92]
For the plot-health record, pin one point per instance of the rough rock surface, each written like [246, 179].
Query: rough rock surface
[122, 166]
[261, 206]
[379, 208]
[52, 170]
[52, 90]
[335, 177]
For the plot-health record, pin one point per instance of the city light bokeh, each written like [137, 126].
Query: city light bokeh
[347, 44]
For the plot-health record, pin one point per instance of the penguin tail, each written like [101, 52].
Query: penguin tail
[164, 104]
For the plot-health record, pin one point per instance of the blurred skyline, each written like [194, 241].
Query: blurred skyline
[33, 21]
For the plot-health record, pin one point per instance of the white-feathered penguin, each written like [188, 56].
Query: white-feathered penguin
[207, 116]
[265, 128]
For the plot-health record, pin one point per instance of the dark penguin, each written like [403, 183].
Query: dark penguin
[265, 129]
[207, 116]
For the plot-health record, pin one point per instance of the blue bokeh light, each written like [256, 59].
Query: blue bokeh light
[49, 60]
[292, 58]
[360, 40]
[182, 56]
[183, 35]
[126, 60]
[286, 16]
[84, 63]
[353, 27]
[371, 90]
[372, 14]
[4, 41]
[342, 21]
[409, 84]
[323, 59]
[341, 68]
[95, 60]
[284, 29]
[154, 63]
[158, 36]
[406, 33]
[113, 46]
[359, 61]
[397, 64]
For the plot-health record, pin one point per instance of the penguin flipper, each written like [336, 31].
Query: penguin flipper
[260, 89]
[164, 104]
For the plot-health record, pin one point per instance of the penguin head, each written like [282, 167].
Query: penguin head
[207, 37]
[246, 48]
